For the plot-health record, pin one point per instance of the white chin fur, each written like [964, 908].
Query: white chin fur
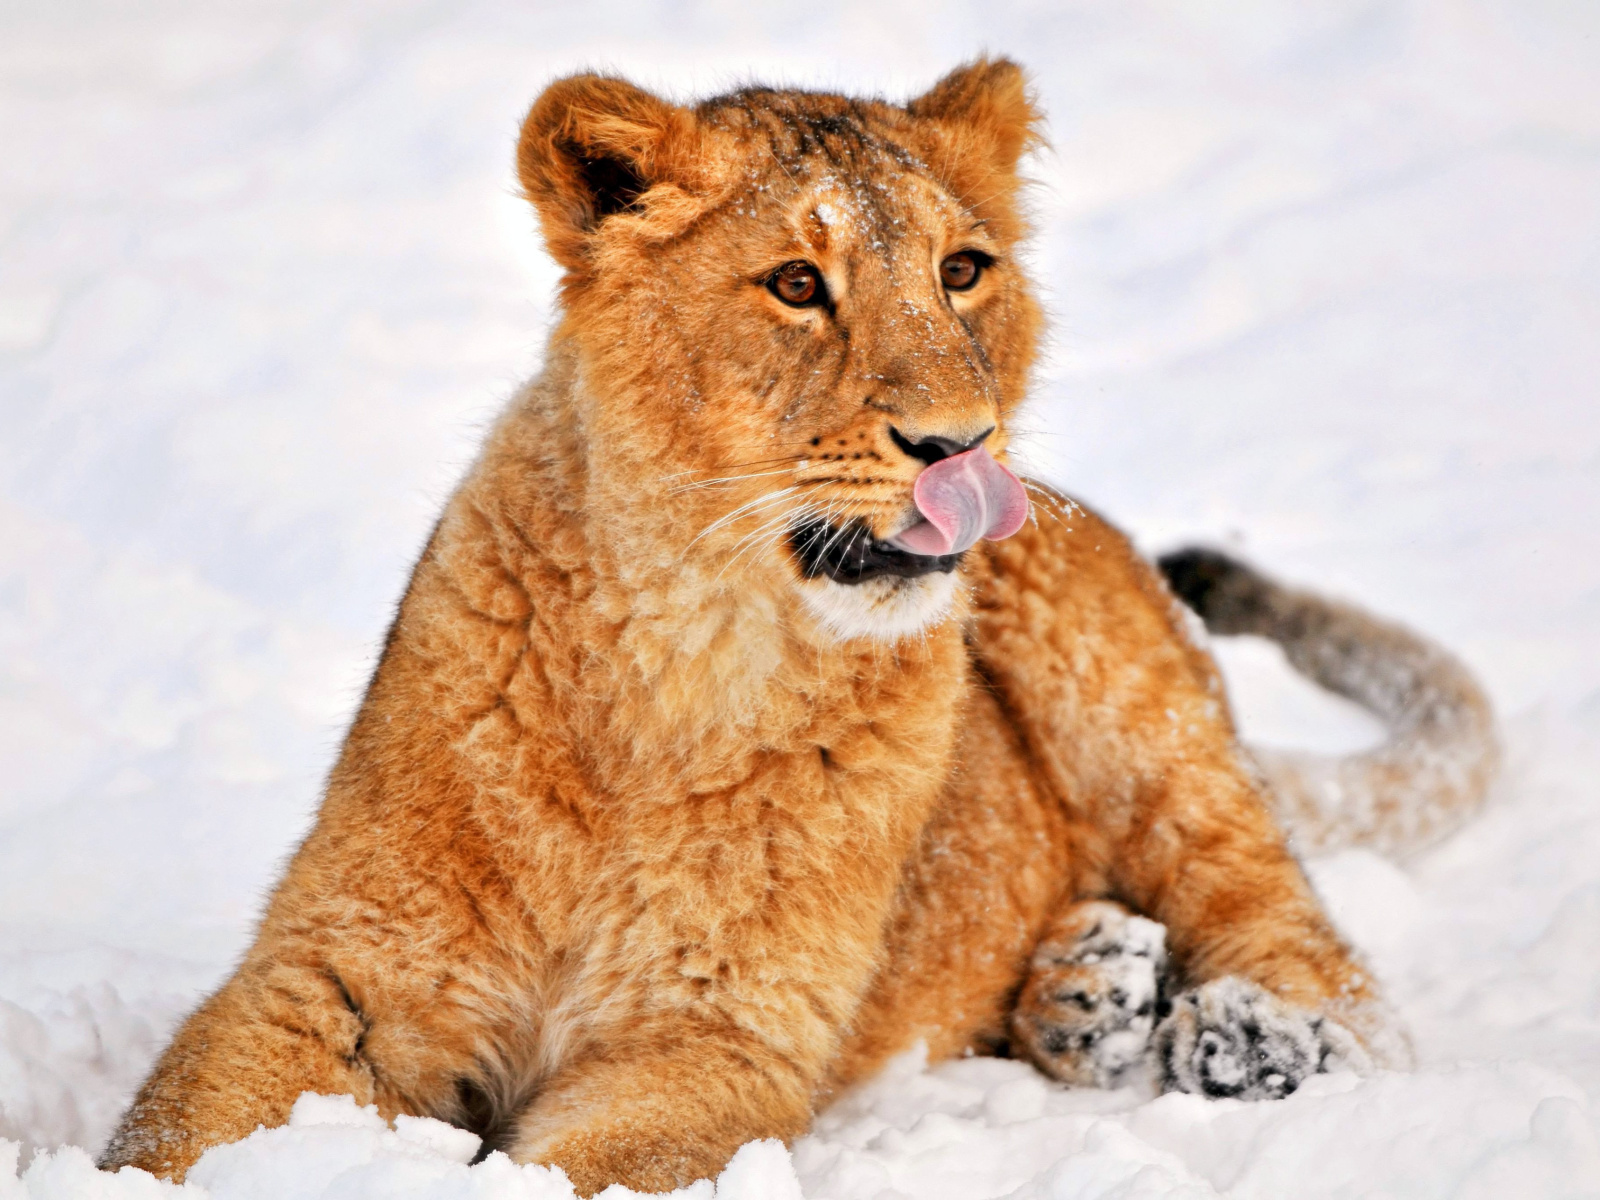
[886, 609]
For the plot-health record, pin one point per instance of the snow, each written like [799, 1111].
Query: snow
[1324, 283]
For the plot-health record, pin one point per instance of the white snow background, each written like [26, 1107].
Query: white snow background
[1325, 283]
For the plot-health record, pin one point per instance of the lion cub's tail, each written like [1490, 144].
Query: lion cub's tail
[1431, 773]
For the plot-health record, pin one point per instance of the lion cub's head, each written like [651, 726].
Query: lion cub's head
[784, 307]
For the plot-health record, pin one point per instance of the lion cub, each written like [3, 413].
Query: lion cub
[739, 727]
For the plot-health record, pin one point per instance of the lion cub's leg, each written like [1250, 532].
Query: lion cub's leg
[670, 1105]
[241, 1061]
[1126, 721]
[1090, 1002]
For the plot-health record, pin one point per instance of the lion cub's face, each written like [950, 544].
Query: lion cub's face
[787, 305]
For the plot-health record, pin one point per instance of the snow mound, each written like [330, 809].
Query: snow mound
[964, 1131]
[331, 1149]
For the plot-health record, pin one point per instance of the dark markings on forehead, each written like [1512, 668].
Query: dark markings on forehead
[837, 133]
[809, 133]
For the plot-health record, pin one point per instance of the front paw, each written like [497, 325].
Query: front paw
[1230, 1037]
[1087, 1010]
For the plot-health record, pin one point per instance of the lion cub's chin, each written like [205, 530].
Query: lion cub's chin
[886, 609]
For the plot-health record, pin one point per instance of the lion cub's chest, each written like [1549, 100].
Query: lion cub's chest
[815, 800]
[784, 858]
[855, 759]
[654, 769]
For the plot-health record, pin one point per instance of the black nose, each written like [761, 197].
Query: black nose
[931, 449]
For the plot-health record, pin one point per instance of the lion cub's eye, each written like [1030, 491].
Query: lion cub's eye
[798, 283]
[960, 271]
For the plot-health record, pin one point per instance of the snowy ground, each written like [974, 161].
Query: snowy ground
[1326, 284]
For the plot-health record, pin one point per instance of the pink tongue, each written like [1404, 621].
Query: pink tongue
[963, 498]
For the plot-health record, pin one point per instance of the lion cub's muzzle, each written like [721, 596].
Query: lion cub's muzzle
[961, 495]
[960, 499]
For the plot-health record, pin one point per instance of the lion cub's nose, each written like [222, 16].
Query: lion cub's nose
[931, 448]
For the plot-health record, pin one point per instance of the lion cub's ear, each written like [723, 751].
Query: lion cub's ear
[980, 120]
[594, 146]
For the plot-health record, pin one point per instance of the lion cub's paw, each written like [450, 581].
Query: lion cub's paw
[1230, 1037]
[1087, 1010]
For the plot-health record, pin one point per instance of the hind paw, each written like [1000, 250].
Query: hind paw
[1230, 1037]
[1089, 1005]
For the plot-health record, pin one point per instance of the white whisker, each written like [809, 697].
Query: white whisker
[727, 480]
[743, 509]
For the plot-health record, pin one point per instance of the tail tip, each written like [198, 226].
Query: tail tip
[1224, 591]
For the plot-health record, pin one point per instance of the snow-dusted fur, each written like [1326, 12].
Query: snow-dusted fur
[1434, 768]
[1232, 1038]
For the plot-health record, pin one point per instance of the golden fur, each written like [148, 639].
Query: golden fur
[642, 844]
